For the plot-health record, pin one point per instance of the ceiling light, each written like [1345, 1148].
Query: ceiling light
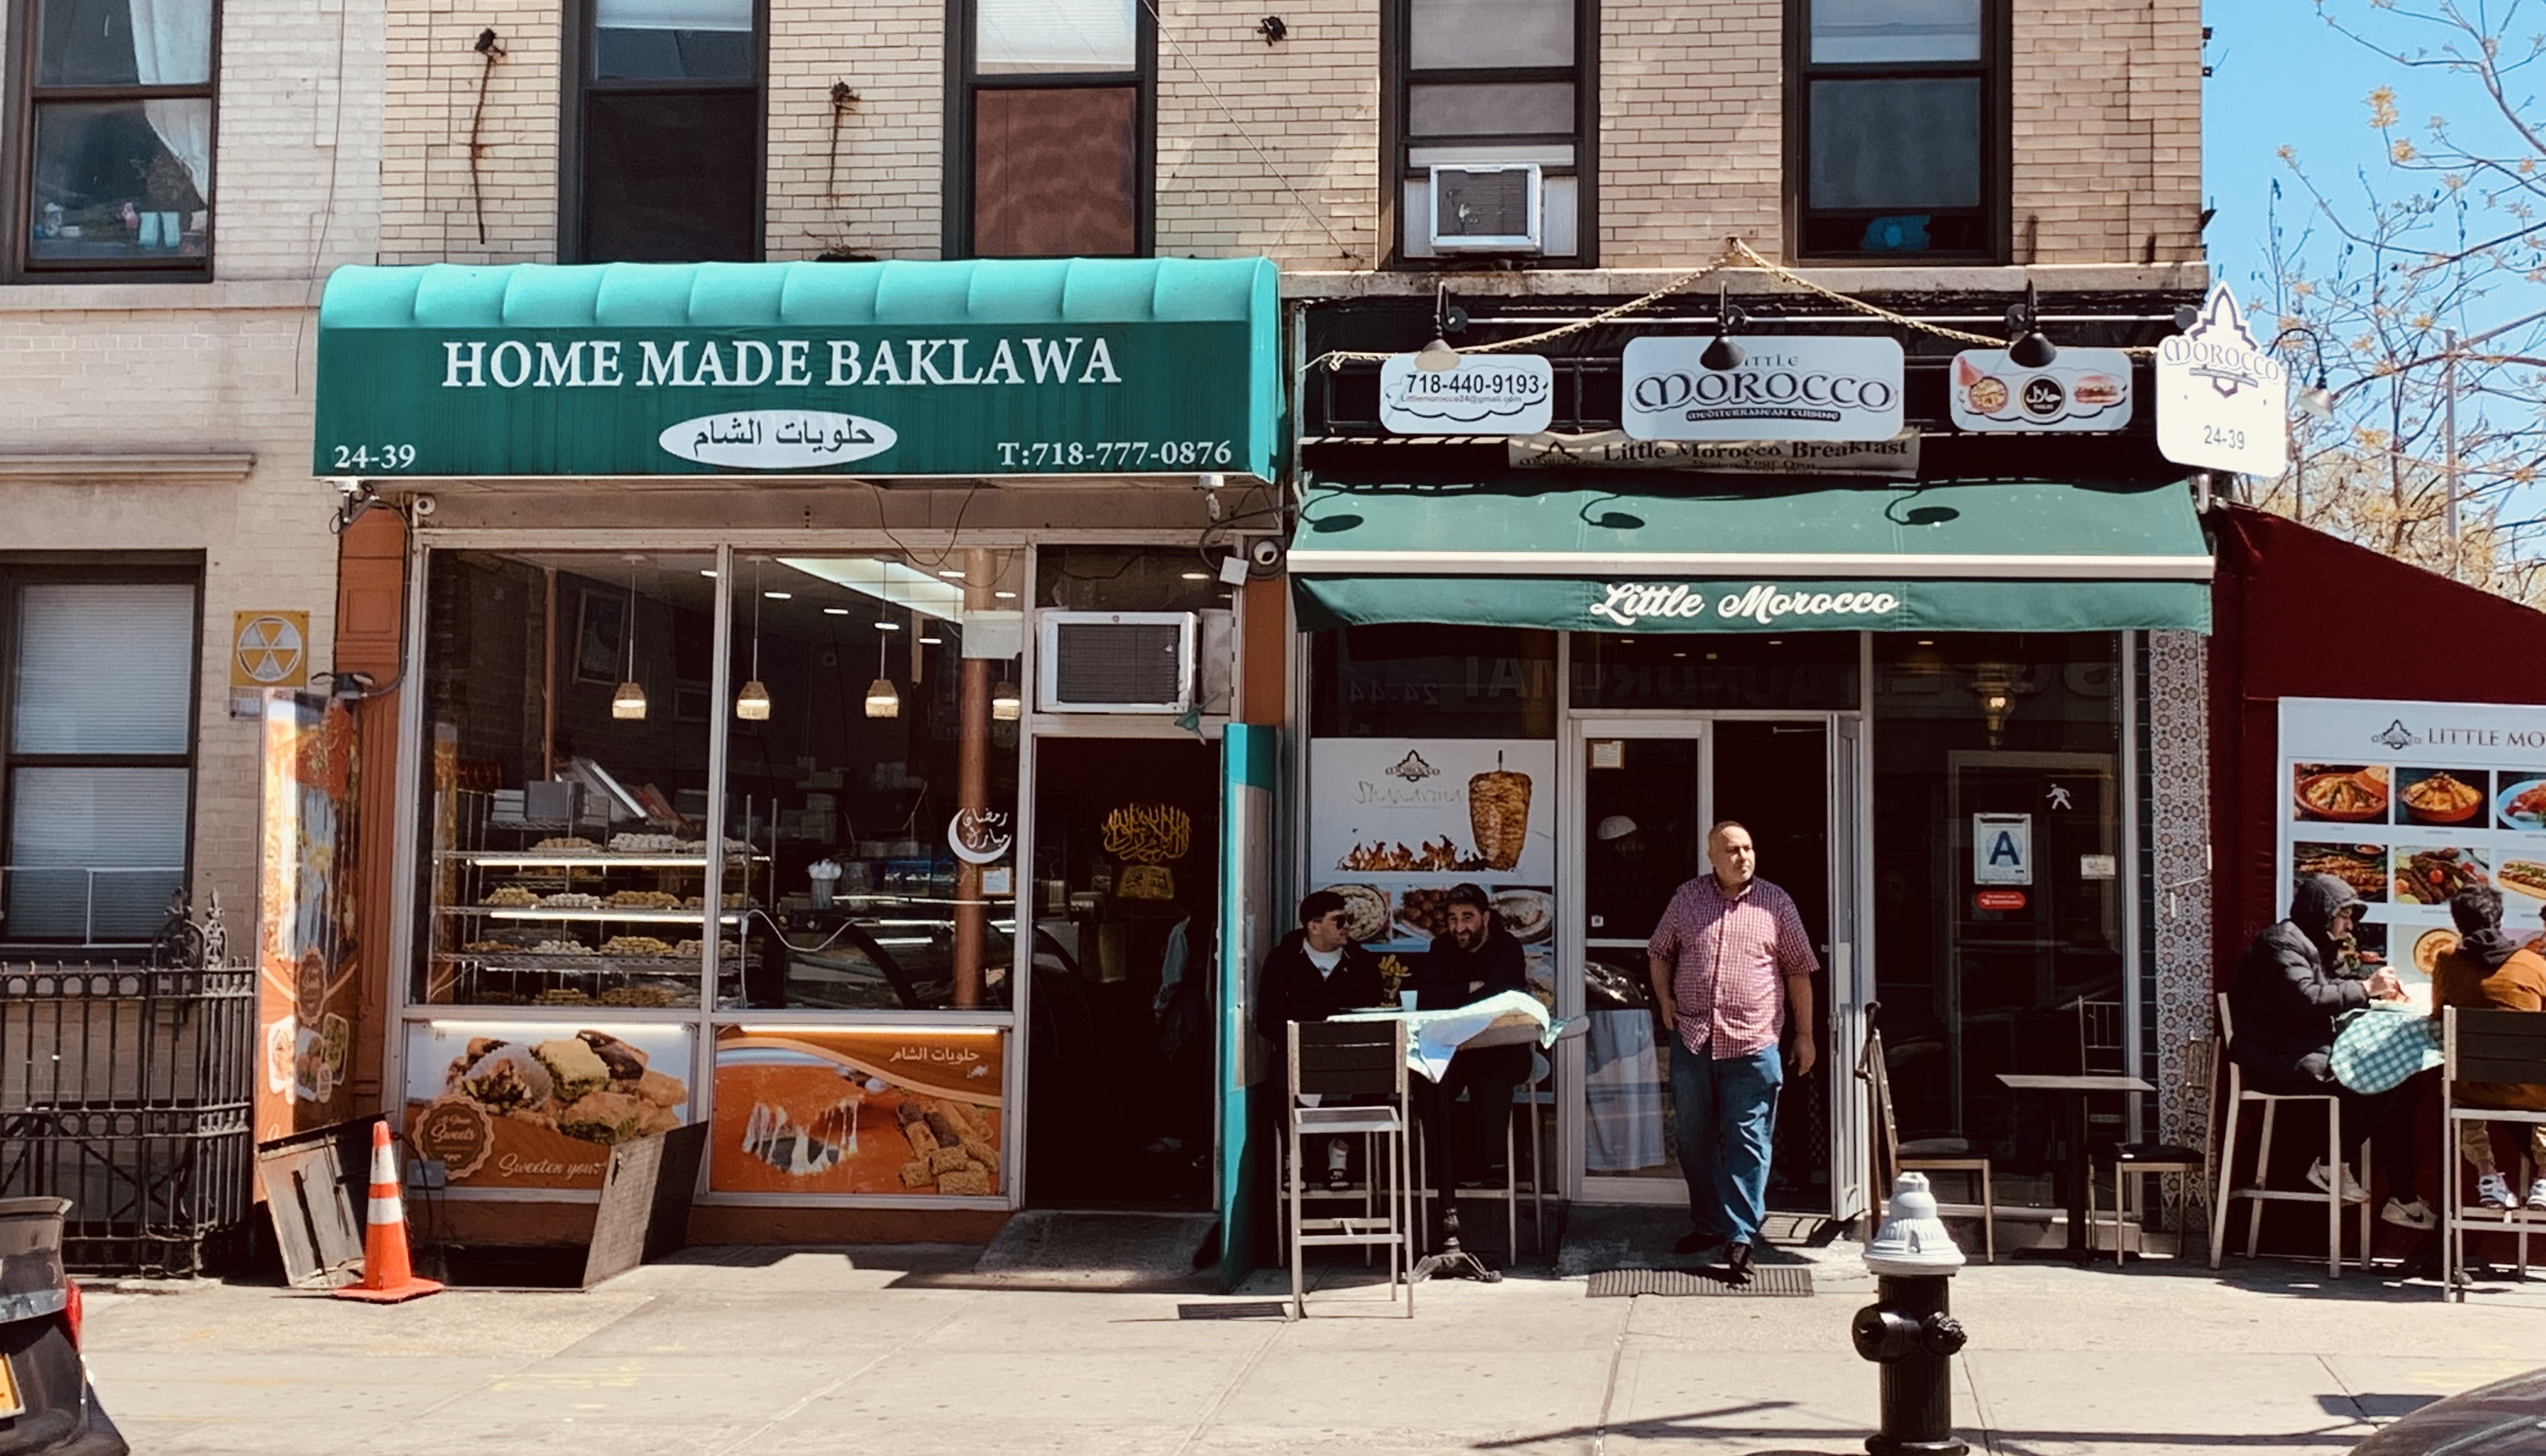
[884, 700]
[949, 574]
[753, 703]
[887, 626]
[932, 642]
[780, 596]
[707, 572]
[1005, 705]
[836, 611]
[1005, 596]
[627, 704]
[1197, 576]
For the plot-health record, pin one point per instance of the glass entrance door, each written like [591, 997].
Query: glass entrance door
[1647, 792]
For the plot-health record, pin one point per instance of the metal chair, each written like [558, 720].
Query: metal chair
[2133, 1163]
[2102, 1050]
[1352, 1059]
[1919, 1154]
[2485, 1046]
[1510, 1195]
[2256, 1194]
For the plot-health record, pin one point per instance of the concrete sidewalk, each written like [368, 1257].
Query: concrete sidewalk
[899, 1349]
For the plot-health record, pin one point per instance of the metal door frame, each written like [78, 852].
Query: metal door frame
[1850, 972]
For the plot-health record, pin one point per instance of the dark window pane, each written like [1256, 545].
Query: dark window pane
[1808, 670]
[1430, 681]
[1053, 35]
[672, 40]
[1895, 233]
[121, 179]
[1054, 172]
[631, 54]
[1858, 31]
[1895, 145]
[124, 42]
[1508, 110]
[669, 179]
[1457, 35]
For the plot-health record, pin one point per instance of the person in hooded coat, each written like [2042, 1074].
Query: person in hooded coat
[2291, 984]
[2488, 969]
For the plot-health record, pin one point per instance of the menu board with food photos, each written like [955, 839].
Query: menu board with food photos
[2410, 802]
[1394, 823]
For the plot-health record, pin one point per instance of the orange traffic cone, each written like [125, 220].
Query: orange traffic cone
[388, 1276]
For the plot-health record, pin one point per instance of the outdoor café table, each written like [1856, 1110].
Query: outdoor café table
[1432, 1038]
[2074, 1090]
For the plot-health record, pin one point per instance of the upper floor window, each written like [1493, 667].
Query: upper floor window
[1896, 120]
[115, 134]
[1050, 154]
[1492, 83]
[666, 165]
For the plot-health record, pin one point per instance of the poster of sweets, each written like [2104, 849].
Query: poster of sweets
[1395, 822]
[307, 877]
[2410, 802]
[891, 1110]
[539, 1104]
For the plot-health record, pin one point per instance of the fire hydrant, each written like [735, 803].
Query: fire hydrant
[1908, 1329]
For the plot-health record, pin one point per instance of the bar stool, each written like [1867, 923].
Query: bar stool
[2258, 1193]
[1349, 1058]
[1510, 1193]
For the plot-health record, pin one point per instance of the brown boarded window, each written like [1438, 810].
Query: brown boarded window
[1050, 154]
[1056, 172]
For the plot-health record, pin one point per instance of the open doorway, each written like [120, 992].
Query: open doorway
[1120, 1051]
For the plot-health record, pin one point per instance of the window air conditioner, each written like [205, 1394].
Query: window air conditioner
[1487, 208]
[1115, 661]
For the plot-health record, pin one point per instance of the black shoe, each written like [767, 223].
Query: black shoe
[1338, 1181]
[1737, 1259]
[1697, 1242]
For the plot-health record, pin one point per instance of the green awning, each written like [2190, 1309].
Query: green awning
[991, 367]
[1759, 556]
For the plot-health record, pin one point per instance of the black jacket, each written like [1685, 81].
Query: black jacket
[2291, 984]
[1289, 987]
[1442, 979]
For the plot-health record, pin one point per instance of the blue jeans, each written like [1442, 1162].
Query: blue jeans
[1727, 1114]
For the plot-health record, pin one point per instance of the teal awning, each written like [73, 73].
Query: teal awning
[1758, 557]
[991, 368]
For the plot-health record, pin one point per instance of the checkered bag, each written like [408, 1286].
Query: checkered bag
[2377, 1049]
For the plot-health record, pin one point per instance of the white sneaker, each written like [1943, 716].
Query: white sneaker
[2352, 1192]
[2537, 1195]
[2414, 1215]
[2492, 1190]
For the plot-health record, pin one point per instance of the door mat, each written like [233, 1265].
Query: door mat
[1769, 1281]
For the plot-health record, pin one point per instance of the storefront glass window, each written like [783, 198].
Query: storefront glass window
[1997, 811]
[1423, 680]
[872, 770]
[567, 699]
[1810, 670]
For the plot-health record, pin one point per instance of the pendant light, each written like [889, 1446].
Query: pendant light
[1720, 353]
[628, 703]
[2032, 349]
[884, 700]
[1006, 705]
[753, 701]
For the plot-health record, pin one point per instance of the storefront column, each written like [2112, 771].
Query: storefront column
[2179, 772]
[972, 794]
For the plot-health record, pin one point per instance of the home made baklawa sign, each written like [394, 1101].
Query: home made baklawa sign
[1058, 399]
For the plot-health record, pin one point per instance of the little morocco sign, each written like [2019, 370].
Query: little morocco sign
[1652, 605]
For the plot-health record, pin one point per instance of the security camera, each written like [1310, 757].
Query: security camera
[1264, 555]
[1211, 480]
[351, 487]
[424, 506]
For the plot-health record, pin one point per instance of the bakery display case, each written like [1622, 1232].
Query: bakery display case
[570, 914]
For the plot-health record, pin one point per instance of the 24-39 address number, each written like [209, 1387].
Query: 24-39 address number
[375, 457]
[1115, 455]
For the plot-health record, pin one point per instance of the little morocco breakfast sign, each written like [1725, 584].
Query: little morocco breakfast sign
[1119, 367]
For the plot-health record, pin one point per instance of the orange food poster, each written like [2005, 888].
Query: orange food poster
[307, 874]
[539, 1104]
[877, 1110]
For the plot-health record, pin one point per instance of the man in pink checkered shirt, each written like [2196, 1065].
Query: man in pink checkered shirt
[1730, 960]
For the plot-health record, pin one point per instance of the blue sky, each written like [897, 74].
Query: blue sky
[2283, 77]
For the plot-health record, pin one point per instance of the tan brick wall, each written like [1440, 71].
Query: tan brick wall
[2107, 125]
[870, 183]
[432, 208]
[182, 380]
[1691, 128]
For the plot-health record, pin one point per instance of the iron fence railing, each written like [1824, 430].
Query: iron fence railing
[127, 1090]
